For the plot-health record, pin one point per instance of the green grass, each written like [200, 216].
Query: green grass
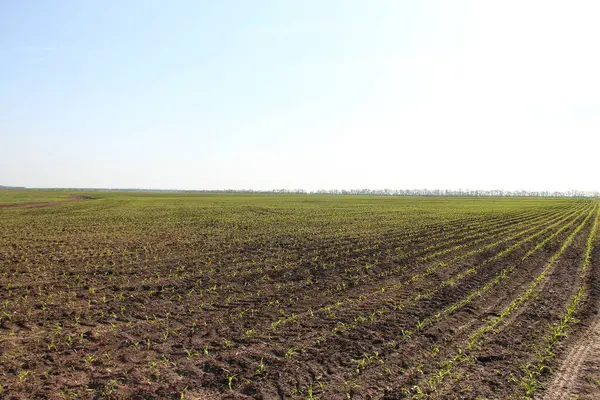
[27, 196]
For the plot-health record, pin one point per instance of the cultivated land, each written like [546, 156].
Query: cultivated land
[143, 295]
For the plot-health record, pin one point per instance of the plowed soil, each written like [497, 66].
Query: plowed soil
[300, 297]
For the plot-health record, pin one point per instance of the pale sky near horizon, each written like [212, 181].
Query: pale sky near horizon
[300, 94]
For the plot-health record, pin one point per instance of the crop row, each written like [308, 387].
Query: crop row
[477, 338]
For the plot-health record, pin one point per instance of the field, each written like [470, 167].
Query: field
[188, 296]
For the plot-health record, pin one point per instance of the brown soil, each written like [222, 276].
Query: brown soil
[577, 373]
[347, 317]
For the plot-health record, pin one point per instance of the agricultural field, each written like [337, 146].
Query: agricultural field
[188, 296]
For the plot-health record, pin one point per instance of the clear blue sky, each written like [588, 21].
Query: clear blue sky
[300, 94]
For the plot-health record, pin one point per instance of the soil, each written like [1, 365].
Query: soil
[291, 317]
[71, 199]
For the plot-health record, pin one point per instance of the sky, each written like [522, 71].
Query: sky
[306, 94]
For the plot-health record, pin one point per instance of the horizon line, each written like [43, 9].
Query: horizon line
[352, 191]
